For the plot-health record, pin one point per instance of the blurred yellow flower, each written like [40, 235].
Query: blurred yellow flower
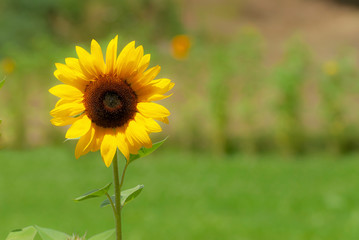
[331, 68]
[181, 45]
[109, 104]
[8, 65]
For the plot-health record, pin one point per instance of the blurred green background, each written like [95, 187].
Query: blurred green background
[264, 134]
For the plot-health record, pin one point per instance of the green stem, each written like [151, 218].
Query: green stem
[123, 175]
[118, 186]
[117, 212]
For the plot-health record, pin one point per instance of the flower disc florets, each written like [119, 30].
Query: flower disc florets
[110, 102]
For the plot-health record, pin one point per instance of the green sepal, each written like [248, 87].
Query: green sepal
[126, 196]
[50, 234]
[27, 233]
[146, 151]
[94, 193]
[104, 236]
[2, 82]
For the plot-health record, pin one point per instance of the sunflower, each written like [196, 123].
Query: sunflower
[109, 104]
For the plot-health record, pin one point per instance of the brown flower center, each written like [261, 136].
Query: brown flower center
[110, 102]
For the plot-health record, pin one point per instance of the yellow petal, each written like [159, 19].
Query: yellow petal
[121, 142]
[155, 97]
[137, 75]
[132, 148]
[154, 91]
[141, 80]
[97, 139]
[71, 77]
[74, 64]
[164, 120]
[163, 83]
[68, 109]
[150, 124]
[150, 74]
[108, 147]
[159, 86]
[63, 101]
[82, 146]
[97, 56]
[79, 128]
[130, 64]
[86, 62]
[66, 91]
[63, 121]
[152, 110]
[137, 135]
[128, 71]
[70, 73]
[122, 58]
[111, 55]
[139, 54]
[135, 56]
[144, 62]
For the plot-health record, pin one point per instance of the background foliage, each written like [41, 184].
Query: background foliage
[232, 99]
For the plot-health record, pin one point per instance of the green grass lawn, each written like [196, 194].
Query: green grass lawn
[186, 195]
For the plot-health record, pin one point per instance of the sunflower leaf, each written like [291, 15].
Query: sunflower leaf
[94, 193]
[27, 233]
[50, 234]
[146, 151]
[104, 236]
[130, 194]
[126, 196]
